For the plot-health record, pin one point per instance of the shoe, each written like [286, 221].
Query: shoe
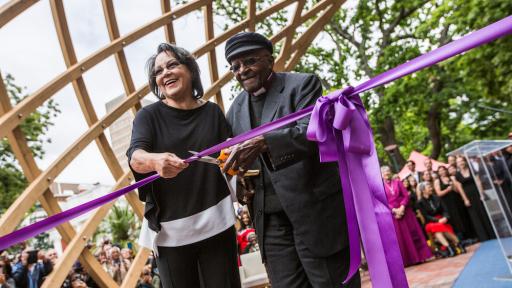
[461, 247]
[443, 252]
[451, 251]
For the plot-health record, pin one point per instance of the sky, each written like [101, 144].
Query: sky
[31, 53]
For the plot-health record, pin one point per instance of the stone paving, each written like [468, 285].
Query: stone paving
[438, 273]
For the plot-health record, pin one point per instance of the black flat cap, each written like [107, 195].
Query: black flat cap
[244, 42]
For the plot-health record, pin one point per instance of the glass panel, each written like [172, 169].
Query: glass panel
[494, 182]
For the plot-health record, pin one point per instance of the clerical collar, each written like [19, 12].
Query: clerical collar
[266, 85]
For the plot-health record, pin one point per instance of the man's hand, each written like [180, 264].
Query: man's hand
[168, 165]
[243, 155]
[443, 220]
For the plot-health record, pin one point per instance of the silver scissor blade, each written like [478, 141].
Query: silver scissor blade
[206, 159]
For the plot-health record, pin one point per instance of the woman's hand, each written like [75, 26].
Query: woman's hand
[467, 203]
[168, 165]
[443, 220]
[399, 212]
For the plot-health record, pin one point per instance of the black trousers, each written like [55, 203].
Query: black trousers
[208, 263]
[290, 264]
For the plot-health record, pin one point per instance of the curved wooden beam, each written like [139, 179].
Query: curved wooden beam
[14, 214]
[14, 8]
[14, 117]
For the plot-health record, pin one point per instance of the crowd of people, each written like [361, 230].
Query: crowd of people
[30, 267]
[437, 212]
[247, 241]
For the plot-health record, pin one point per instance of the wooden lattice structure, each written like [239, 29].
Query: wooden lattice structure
[294, 46]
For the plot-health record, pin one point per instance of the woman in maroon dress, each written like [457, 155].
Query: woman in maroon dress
[413, 246]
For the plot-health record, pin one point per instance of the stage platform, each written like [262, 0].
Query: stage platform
[478, 268]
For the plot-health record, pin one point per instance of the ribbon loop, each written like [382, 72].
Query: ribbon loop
[342, 131]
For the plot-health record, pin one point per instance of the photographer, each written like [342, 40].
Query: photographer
[30, 273]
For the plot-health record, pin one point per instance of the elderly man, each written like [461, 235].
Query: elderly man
[298, 208]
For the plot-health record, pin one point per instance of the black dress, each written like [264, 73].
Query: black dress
[477, 213]
[459, 217]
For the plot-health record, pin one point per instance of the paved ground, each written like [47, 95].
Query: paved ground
[438, 273]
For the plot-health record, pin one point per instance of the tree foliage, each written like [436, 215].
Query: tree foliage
[34, 128]
[121, 224]
[434, 110]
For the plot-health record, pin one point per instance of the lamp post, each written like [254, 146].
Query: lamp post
[391, 151]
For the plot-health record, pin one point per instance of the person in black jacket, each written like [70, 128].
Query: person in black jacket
[437, 219]
[298, 208]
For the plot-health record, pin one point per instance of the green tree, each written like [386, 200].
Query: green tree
[34, 127]
[121, 224]
[434, 110]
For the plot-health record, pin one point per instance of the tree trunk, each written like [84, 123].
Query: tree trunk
[388, 138]
[434, 130]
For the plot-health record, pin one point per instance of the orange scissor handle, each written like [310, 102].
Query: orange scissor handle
[222, 159]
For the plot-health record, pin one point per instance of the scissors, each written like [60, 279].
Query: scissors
[207, 159]
[216, 161]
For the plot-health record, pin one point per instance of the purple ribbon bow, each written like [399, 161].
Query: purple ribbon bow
[340, 126]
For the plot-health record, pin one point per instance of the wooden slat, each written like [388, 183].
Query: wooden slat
[302, 44]
[285, 50]
[217, 85]
[134, 272]
[212, 56]
[84, 100]
[25, 157]
[320, 6]
[28, 105]
[67, 233]
[208, 46]
[168, 28]
[79, 241]
[11, 9]
[251, 15]
[14, 214]
[14, 117]
[137, 206]
[273, 9]
[122, 63]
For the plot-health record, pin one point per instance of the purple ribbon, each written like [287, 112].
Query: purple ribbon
[340, 125]
[59, 218]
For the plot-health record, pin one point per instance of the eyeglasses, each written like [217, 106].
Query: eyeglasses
[169, 66]
[247, 62]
